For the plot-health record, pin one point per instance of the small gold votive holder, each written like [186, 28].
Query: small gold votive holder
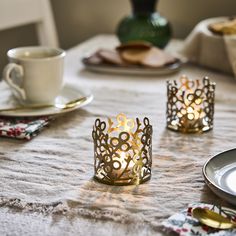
[190, 105]
[122, 151]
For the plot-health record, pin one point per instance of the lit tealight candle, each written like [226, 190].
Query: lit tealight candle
[121, 157]
[190, 105]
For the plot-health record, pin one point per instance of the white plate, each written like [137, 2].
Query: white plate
[132, 70]
[220, 175]
[69, 93]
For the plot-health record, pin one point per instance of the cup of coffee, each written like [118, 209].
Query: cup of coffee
[35, 74]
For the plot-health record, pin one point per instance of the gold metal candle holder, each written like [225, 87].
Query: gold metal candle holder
[122, 151]
[190, 105]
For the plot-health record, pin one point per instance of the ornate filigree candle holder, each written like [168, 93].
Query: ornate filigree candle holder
[122, 151]
[190, 105]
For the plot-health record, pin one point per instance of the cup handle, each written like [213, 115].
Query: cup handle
[7, 77]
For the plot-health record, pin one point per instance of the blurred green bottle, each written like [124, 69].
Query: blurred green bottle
[144, 24]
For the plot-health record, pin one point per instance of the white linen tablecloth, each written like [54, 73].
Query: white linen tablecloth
[49, 180]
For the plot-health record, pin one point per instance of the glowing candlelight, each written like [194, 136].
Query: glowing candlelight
[190, 105]
[120, 156]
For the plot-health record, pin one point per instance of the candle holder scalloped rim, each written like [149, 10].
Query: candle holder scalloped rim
[122, 150]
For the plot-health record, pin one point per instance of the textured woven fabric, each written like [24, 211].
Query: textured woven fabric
[53, 173]
[210, 50]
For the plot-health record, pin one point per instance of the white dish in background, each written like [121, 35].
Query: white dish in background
[220, 175]
[69, 93]
[132, 70]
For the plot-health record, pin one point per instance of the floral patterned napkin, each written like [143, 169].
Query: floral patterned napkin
[22, 128]
[185, 225]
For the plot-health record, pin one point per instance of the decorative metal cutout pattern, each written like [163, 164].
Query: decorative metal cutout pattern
[190, 105]
[122, 151]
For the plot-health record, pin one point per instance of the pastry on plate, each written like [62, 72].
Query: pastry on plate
[152, 57]
[137, 53]
[227, 27]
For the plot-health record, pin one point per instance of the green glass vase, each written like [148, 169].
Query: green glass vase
[144, 24]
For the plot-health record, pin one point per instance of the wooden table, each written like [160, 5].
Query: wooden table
[167, 145]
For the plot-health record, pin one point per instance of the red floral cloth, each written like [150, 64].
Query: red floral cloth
[185, 225]
[22, 128]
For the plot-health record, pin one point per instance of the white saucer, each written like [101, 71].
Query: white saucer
[69, 93]
[220, 175]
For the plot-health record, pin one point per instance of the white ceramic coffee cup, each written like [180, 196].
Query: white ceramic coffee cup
[35, 74]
